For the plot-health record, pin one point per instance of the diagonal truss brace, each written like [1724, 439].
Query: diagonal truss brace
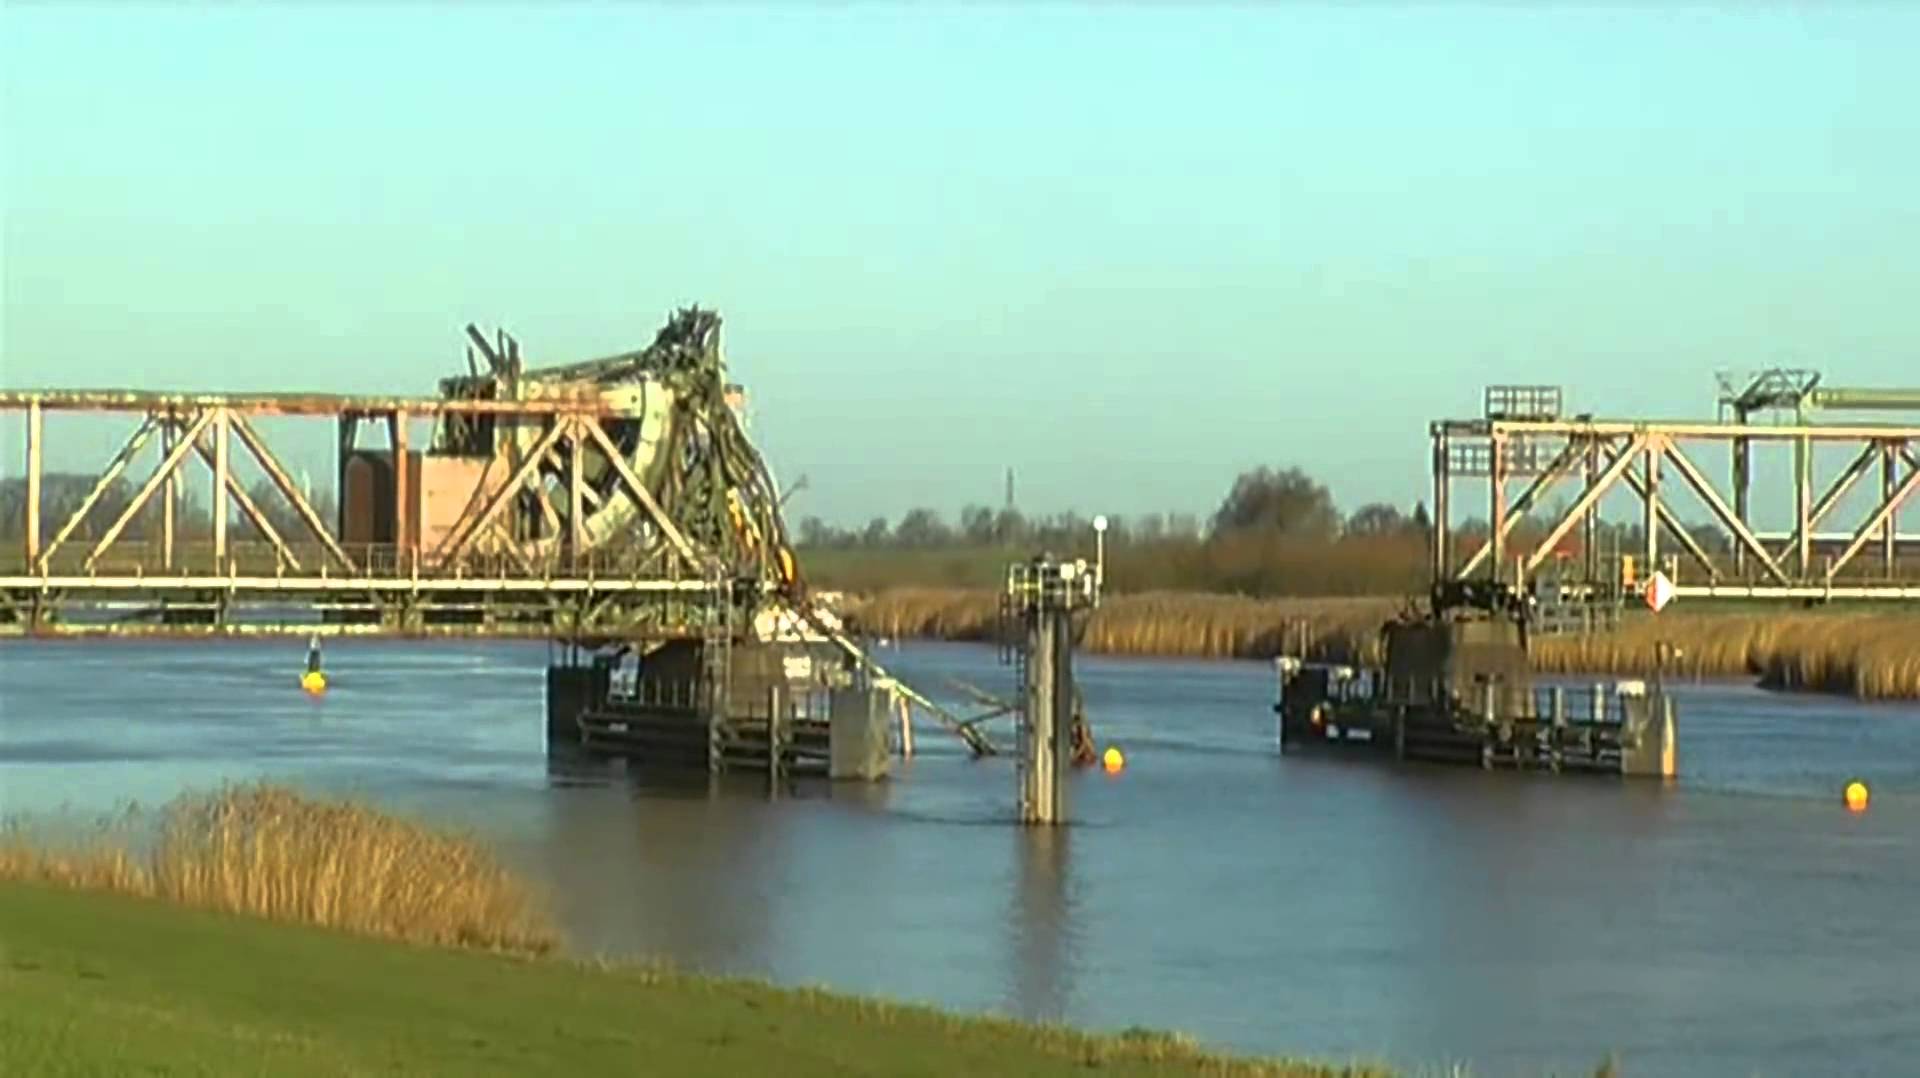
[166, 467]
[277, 475]
[1718, 506]
[1884, 515]
[639, 492]
[1841, 485]
[128, 450]
[242, 498]
[1588, 498]
[458, 540]
[1675, 526]
[1562, 464]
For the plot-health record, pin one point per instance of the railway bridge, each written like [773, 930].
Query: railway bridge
[615, 506]
[1841, 482]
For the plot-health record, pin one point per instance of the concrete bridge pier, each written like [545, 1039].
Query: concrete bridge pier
[1046, 742]
[573, 688]
[1041, 598]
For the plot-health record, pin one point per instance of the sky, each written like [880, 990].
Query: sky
[1127, 250]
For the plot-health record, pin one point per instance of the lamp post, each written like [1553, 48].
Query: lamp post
[1099, 556]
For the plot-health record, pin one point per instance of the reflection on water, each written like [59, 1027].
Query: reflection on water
[1739, 921]
[1040, 917]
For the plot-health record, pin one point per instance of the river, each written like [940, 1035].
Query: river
[1740, 921]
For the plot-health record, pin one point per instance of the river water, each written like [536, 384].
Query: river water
[1740, 921]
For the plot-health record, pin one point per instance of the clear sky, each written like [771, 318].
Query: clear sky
[1126, 250]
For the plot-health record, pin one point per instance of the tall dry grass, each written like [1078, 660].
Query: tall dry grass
[270, 852]
[1871, 656]
[1246, 563]
[1153, 623]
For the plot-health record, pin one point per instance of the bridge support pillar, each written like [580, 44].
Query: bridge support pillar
[1043, 595]
[1650, 742]
[857, 734]
[1044, 745]
[571, 689]
[1651, 747]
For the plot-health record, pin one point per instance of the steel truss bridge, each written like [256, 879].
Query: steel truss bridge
[599, 504]
[478, 575]
[1843, 542]
[615, 499]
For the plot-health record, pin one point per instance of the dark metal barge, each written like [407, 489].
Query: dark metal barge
[1456, 687]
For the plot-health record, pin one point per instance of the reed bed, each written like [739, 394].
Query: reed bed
[1182, 625]
[271, 852]
[1255, 563]
[1870, 656]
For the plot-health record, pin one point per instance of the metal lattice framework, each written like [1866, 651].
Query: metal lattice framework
[612, 499]
[1862, 556]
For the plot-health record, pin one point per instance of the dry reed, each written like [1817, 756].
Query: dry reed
[270, 852]
[1155, 623]
[1244, 563]
[1871, 656]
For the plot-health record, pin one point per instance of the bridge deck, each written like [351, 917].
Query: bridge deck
[137, 595]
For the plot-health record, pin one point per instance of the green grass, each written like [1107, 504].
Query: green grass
[101, 983]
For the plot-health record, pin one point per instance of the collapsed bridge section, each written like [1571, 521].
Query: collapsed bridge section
[614, 503]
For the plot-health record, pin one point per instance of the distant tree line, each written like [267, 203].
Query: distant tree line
[62, 493]
[1286, 503]
[1279, 503]
[1275, 532]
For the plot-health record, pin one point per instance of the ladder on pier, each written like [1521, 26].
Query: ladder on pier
[716, 668]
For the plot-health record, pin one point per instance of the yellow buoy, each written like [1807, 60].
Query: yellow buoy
[1113, 761]
[1856, 796]
[314, 682]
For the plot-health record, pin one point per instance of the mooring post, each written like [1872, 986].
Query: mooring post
[774, 702]
[905, 708]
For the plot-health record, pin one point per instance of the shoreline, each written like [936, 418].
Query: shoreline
[372, 928]
[1864, 655]
[79, 995]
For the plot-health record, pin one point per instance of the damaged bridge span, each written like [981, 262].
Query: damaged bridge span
[616, 507]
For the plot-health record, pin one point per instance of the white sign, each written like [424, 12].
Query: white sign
[1659, 591]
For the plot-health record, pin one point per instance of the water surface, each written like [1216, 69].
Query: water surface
[1739, 921]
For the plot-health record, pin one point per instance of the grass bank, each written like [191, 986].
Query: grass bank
[1868, 655]
[99, 983]
[101, 974]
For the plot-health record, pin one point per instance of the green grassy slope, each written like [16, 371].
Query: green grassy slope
[103, 984]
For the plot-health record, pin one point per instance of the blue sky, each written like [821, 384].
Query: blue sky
[1126, 250]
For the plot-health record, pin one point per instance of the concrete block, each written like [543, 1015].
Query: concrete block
[857, 735]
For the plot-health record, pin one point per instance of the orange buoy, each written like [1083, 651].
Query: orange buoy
[1113, 761]
[1856, 796]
